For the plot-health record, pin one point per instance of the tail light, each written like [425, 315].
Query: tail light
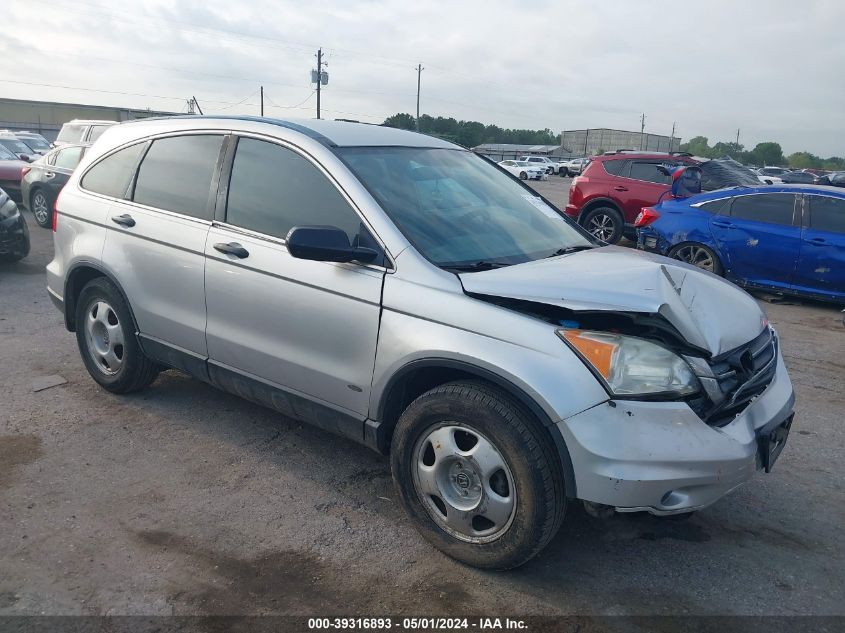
[55, 212]
[647, 216]
[25, 171]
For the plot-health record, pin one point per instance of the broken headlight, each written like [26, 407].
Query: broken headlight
[631, 366]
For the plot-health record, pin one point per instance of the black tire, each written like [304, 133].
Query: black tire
[530, 455]
[684, 252]
[135, 371]
[604, 223]
[45, 221]
[564, 172]
[523, 175]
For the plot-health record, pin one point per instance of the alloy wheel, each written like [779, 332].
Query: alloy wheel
[695, 255]
[601, 226]
[104, 337]
[40, 207]
[464, 483]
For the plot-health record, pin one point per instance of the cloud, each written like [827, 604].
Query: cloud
[769, 68]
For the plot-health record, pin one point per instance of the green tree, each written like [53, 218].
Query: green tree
[768, 153]
[803, 160]
[402, 121]
[734, 150]
[697, 146]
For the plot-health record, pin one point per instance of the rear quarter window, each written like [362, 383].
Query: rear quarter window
[111, 176]
[827, 214]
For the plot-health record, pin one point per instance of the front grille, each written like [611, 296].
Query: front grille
[734, 379]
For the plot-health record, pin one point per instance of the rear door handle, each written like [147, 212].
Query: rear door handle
[49, 174]
[819, 241]
[232, 248]
[724, 225]
[620, 188]
[124, 220]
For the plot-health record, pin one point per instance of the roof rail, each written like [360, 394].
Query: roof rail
[679, 154]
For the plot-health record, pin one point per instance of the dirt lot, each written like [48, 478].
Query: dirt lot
[186, 500]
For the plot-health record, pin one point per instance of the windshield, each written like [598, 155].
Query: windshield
[6, 154]
[35, 142]
[459, 210]
[16, 147]
[71, 133]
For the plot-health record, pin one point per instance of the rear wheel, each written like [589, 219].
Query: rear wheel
[698, 255]
[106, 337]
[480, 478]
[604, 223]
[563, 172]
[39, 204]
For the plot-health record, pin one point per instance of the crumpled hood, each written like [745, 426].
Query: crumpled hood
[708, 311]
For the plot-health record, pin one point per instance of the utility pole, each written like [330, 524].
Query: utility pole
[672, 138]
[191, 105]
[199, 109]
[642, 129]
[262, 100]
[419, 73]
[737, 137]
[319, 77]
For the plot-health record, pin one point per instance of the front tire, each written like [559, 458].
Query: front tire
[39, 204]
[478, 475]
[604, 223]
[105, 333]
[523, 175]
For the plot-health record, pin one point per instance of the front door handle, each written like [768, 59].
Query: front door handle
[620, 188]
[124, 220]
[818, 241]
[49, 174]
[724, 225]
[232, 248]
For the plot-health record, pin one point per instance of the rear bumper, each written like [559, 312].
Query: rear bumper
[661, 458]
[651, 241]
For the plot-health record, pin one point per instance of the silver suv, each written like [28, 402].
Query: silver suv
[407, 294]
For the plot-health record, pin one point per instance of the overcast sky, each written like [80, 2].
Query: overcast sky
[773, 68]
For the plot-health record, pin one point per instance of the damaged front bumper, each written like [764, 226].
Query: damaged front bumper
[660, 457]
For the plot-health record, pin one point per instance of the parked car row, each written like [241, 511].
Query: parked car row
[524, 170]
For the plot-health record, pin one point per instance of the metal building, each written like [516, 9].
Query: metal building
[47, 117]
[595, 140]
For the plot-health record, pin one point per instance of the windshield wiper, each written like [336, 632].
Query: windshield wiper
[474, 267]
[570, 249]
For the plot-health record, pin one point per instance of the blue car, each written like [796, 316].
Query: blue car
[780, 238]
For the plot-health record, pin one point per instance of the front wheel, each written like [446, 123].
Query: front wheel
[39, 204]
[698, 255]
[564, 172]
[523, 175]
[481, 479]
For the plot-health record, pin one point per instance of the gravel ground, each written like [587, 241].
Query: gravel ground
[185, 500]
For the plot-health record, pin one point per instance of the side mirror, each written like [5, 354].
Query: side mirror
[25, 157]
[325, 244]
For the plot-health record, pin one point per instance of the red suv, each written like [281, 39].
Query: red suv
[607, 197]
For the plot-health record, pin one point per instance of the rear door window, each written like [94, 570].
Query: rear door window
[614, 167]
[71, 133]
[111, 175]
[648, 172]
[772, 208]
[827, 214]
[176, 174]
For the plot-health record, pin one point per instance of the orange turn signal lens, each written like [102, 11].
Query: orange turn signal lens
[598, 353]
